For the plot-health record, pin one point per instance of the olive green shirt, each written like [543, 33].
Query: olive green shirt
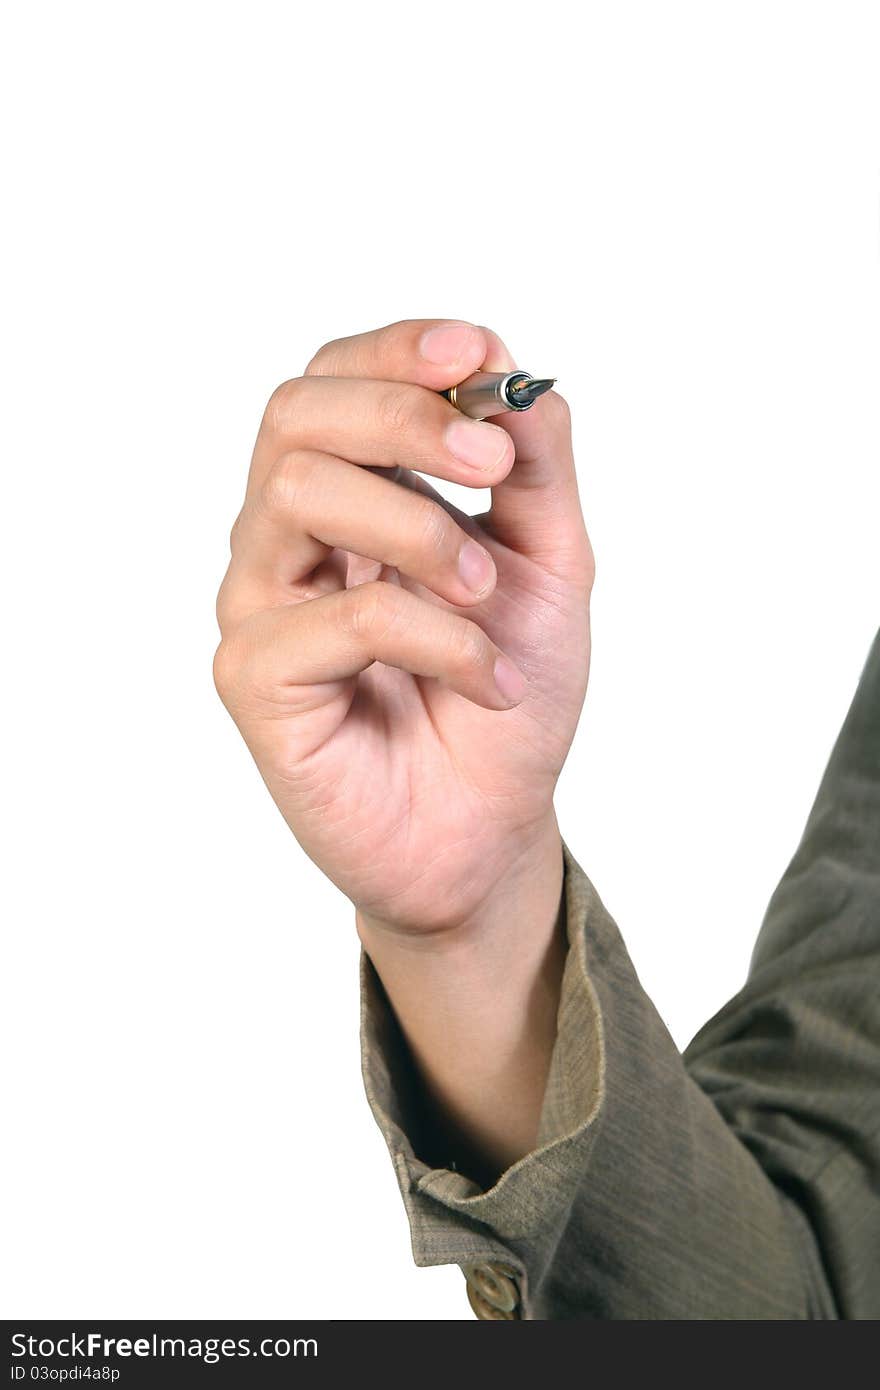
[738, 1179]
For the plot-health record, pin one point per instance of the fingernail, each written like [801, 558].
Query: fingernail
[447, 343]
[475, 567]
[510, 680]
[475, 443]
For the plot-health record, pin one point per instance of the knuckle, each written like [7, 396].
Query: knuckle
[282, 486]
[235, 533]
[226, 671]
[577, 563]
[469, 645]
[223, 606]
[281, 405]
[397, 410]
[590, 568]
[371, 610]
[433, 528]
[320, 364]
[582, 564]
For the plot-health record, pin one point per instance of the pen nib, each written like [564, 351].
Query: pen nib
[526, 394]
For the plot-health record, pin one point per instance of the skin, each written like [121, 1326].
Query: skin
[361, 672]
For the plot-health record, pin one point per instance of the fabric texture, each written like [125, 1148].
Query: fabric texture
[739, 1179]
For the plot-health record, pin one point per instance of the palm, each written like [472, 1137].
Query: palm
[412, 799]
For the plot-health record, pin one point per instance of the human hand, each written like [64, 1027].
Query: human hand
[356, 661]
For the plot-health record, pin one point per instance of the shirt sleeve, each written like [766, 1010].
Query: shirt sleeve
[736, 1180]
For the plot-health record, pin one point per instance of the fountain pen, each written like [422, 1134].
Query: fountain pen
[491, 393]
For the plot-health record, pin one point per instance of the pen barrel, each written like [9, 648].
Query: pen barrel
[485, 393]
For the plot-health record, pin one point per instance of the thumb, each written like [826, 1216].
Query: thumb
[536, 510]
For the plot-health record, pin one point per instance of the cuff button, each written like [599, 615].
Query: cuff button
[491, 1292]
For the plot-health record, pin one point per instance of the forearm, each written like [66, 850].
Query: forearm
[645, 1196]
[477, 1006]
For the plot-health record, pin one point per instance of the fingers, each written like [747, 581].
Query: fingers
[312, 502]
[379, 422]
[384, 405]
[373, 399]
[279, 655]
[535, 508]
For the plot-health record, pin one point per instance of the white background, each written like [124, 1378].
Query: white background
[672, 208]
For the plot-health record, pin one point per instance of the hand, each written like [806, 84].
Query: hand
[409, 700]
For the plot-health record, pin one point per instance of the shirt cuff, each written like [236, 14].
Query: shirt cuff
[452, 1218]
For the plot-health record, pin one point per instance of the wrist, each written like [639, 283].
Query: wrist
[526, 891]
[478, 1006]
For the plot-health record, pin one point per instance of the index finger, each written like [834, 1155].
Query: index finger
[536, 507]
[436, 353]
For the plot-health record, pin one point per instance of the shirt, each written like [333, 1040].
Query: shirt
[737, 1179]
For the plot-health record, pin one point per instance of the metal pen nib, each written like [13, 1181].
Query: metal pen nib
[524, 391]
[491, 393]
